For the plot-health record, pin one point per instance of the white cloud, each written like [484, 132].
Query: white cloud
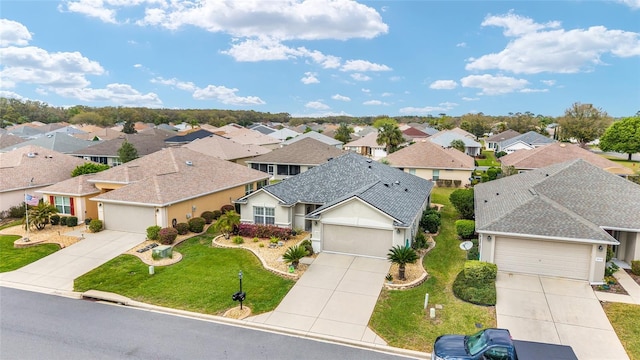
[137, 66]
[374, 102]
[548, 82]
[222, 94]
[395, 78]
[91, 8]
[310, 78]
[386, 94]
[340, 97]
[442, 107]
[528, 90]
[443, 85]
[494, 85]
[321, 114]
[360, 77]
[366, 91]
[634, 4]
[13, 33]
[11, 95]
[363, 65]
[537, 48]
[317, 105]
[462, 44]
[470, 99]
[182, 85]
[114, 93]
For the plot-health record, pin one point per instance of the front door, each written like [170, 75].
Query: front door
[270, 169]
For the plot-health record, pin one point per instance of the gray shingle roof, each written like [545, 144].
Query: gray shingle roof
[445, 138]
[60, 142]
[316, 136]
[508, 134]
[531, 138]
[398, 194]
[305, 152]
[570, 200]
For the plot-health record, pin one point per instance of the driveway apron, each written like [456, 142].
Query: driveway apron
[557, 311]
[57, 271]
[335, 296]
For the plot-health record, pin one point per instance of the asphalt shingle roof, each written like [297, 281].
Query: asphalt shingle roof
[507, 134]
[304, 152]
[425, 154]
[316, 136]
[396, 193]
[570, 200]
[145, 142]
[189, 137]
[224, 148]
[55, 141]
[531, 138]
[444, 138]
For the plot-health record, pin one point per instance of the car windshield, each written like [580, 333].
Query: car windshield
[475, 343]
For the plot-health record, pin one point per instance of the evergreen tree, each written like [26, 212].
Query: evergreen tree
[127, 152]
[344, 133]
[129, 127]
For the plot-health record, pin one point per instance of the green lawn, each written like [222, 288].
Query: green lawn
[399, 317]
[12, 258]
[202, 282]
[624, 319]
[490, 159]
[633, 165]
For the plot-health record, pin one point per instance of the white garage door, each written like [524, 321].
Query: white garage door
[356, 240]
[128, 218]
[543, 258]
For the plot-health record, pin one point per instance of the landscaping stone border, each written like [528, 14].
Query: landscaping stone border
[421, 279]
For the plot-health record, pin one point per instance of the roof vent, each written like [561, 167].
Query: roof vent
[31, 155]
[189, 163]
[406, 190]
[387, 185]
[368, 160]
[329, 159]
[497, 194]
[397, 182]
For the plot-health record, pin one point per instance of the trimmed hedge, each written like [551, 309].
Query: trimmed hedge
[182, 228]
[196, 224]
[167, 235]
[635, 267]
[54, 219]
[264, 231]
[476, 283]
[208, 216]
[216, 214]
[420, 241]
[63, 220]
[153, 232]
[72, 221]
[474, 252]
[465, 228]
[95, 225]
[226, 208]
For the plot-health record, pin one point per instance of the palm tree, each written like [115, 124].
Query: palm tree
[402, 255]
[390, 135]
[227, 222]
[39, 215]
[294, 254]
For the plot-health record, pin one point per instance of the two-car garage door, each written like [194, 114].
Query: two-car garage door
[356, 240]
[549, 258]
[128, 218]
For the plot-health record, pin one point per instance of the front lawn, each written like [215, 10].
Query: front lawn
[489, 160]
[399, 317]
[12, 258]
[633, 165]
[624, 319]
[202, 282]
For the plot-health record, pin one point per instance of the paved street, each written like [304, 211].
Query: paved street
[40, 326]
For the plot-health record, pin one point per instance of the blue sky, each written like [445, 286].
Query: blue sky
[325, 57]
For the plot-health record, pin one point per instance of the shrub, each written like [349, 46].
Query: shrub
[72, 221]
[54, 219]
[457, 183]
[238, 240]
[196, 224]
[208, 217]
[182, 228]
[476, 283]
[167, 235]
[294, 254]
[308, 246]
[420, 242]
[479, 272]
[500, 154]
[153, 232]
[18, 211]
[274, 240]
[465, 228]
[635, 267]
[610, 253]
[474, 252]
[462, 200]
[95, 225]
[261, 245]
[226, 208]
[492, 173]
[63, 220]
[87, 221]
[431, 222]
[216, 214]
[264, 231]
[611, 269]
[255, 239]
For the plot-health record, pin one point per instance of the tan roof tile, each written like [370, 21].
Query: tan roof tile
[304, 152]
[225, 149]
[425, 154]
[76, 186]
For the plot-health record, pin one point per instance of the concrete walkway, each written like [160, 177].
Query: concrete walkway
[630, 285]
[56, 272]
[335, 296]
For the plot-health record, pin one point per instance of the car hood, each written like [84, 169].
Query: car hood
[450, 347]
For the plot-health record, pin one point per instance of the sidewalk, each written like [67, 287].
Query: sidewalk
[630, 285]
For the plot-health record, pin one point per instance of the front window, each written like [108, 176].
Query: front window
[436, 175]
[288, 170]
[248, 189]
[262, 183]
[264, 215]
[63, 204]
[412, 171]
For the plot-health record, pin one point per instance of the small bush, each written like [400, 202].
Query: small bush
[63, 220]
[153, 232]
[465, 228]
[72, 221]
[168, 235]
[611, 269]
[196, 224]
[274, 240]
[264, 231]
[226, 208]
[261, 245]
[238, 240]
[17, 212]
[420, 242]
[308, 246]
[182, 228]
[492, 173]
[476, 283]
[95, 225]
[207, 216]
[478, 272]
[54, 219]
[474, 252]
[255, 239]
[635, 267]
[216, 214]
[430, 220]
[610, 253]
[87, 221]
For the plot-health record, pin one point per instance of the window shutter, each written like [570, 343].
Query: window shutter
[73, 212]
[51, 200]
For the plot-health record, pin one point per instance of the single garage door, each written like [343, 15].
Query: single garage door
[356, 240]
[549, 258]
[128, 218]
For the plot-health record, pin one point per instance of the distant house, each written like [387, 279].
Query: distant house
[30, 168]
[414, 134]
[8, 141]
[444, 166]
[225, 149]
[491, 143]
[316, 136]
[248, 137]
[445, 137]
[527, 141]
[554, 153]
[59, 142]
[294, 159]
[98, 133]
[262, 129]
[188, 137]
[351, 205]
[284, 134]
[367, 146]
[559, 221]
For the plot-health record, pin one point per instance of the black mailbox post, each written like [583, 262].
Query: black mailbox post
[240, 295]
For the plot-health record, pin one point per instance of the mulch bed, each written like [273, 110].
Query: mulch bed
[614, 288]
[633, 276]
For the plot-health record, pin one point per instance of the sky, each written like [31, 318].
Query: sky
[325, 57]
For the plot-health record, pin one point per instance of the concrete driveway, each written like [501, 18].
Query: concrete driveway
[557, 311]
[57, 271]
[335, 296]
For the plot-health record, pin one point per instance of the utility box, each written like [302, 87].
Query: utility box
[162, 252]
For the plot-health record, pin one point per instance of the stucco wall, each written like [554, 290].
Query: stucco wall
[283, 215]
[209, 202]
[462, 175]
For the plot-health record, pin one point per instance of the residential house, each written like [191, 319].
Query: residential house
[554, 153]
[444, 166]
[26, 131]
[558, 221]
[225, 149]
[30, 168]
[491, 142]
[351, 204]
[445, 137]
[316, 136]
[294, 159]
[263, 129]
[414, 134]
[98, 133]
[164, 188]
[8, 141]
[367, 146]
[187, 137]
[529, 140]
[248, 137]
[71, 197]
[59, 142]
[284, 134]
